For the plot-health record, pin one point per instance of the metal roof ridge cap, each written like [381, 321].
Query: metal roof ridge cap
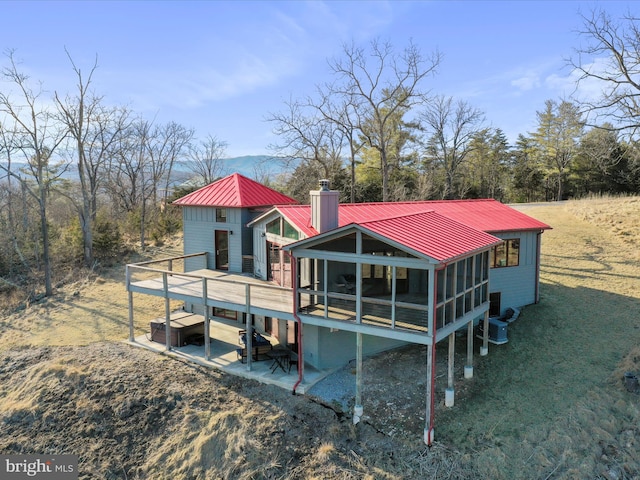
[236, 180]
[403, 215]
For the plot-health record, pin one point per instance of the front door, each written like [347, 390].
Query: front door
[279, 265]
[222, 250]
[273, 264]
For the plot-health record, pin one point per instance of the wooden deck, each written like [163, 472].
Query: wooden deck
[224, 290]
[245, 293]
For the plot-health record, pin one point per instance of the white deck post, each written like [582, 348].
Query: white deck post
[167, 312]
[131, 338]
[207, 340]
[468, 368]
[428, 423]
[357, 408]
[128, 276]
[484, 349]
[449, 392]
[249, 334]
[428, 428]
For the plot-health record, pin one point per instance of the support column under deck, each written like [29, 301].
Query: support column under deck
[167, 312]
[450, 392]
[248, 329]
[357, 408]
[484, 349]
[207, 325]
[428, 427]
[131, 334]
[468, 368]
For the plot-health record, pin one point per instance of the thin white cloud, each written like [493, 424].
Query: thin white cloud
[289, 43]
[527, 82]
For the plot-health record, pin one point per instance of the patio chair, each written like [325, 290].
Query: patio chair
[259, 345]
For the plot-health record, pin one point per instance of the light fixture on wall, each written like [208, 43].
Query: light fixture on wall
[230, 232]
[263, 234]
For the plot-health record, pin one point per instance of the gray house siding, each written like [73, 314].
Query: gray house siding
[517, 285]
[324, 348]
[199, 226]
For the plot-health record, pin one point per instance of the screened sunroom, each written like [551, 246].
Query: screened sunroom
[355, 276]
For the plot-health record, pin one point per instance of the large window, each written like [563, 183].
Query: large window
[506, 254]
[281, 227]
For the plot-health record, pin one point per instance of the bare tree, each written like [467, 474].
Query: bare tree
[131, 179]
[167, 144]
[307, 138]
[7, 149]
[94, 130]
[602, 149]
[123, 172]
[206, 159]
[378, 84]
[611, 58]
[450, 128]
[342, 113]
[37, 139]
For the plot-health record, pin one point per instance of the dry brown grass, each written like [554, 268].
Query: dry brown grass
[87, 308]
[620, 215]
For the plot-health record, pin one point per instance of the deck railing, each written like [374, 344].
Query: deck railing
[212, 288]
[380, 312]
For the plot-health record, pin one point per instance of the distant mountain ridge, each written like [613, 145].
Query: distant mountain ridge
[246, 165]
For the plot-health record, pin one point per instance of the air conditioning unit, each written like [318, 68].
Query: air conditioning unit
[497, 331]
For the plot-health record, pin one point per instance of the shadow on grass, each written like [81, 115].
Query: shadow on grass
[558, 351]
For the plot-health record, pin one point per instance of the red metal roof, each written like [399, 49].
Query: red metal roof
[432, 234]
[487, 215]
[235, 191]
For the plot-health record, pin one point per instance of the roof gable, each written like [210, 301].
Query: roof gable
[433, 235]
[426, 234]
[235, 191]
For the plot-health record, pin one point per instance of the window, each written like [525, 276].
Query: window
[274, 227]
[221, 215]
[506, 254]
[224, 313]
[281, 227]
[289, 231]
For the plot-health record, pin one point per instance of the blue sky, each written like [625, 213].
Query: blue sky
[221, 67]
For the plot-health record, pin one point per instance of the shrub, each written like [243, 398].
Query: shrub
[107, 239]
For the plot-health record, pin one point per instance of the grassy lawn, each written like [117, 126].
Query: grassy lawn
[552, 399]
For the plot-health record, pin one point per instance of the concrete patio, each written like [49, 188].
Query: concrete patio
[224, 343]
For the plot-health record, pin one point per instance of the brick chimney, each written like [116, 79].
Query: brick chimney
[324, 207]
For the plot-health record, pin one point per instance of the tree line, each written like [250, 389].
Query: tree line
[373, 129]
[79, 177]
[379, 134]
